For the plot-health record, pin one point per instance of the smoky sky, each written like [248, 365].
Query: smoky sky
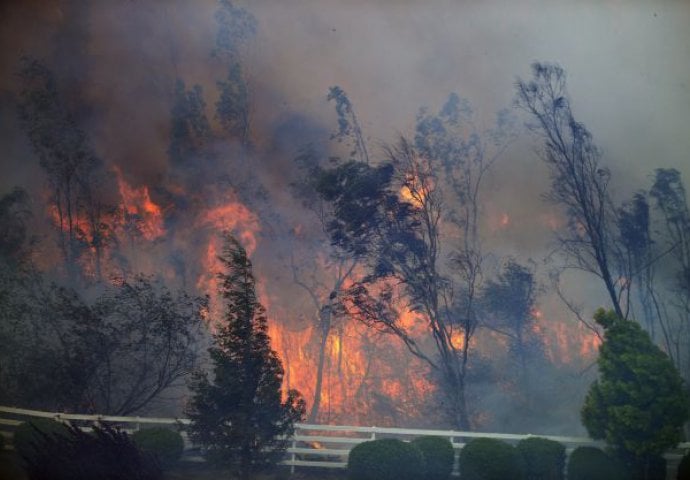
[628, 66]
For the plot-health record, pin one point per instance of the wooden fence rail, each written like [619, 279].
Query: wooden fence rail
[322, 446]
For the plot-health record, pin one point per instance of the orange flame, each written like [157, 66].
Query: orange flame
[137, 201]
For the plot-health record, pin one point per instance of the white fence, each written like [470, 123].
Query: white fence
[320, 446]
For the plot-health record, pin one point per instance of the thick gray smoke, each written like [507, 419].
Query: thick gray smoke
[117, 64]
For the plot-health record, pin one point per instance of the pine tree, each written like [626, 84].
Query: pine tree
[239, 414]
[638, 405]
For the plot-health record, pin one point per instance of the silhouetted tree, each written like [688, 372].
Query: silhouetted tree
[74, 171]
[579, 184]
[238, 414]
[113, 355]
[236, 26]
[390, 215]
[673, 233]
[510, 300]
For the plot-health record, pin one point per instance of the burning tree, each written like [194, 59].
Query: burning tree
[74, 171]
[391, 215]
[240, 415]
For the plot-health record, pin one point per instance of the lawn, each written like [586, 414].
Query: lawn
[10, 469]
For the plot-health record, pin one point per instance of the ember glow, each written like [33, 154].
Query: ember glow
[137, 203]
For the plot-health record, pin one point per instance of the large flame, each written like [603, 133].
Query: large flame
[136, 203]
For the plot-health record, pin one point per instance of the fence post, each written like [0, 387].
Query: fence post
[293, 457]
[373, 432]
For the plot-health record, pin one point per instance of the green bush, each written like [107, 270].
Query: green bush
[684, 468]
[543, 459]
[27, 433]
[590, 463]
[167, 445]
[385, 459]
[490, 459]
[438, 456]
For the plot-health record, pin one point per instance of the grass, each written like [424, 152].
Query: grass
[11, 469]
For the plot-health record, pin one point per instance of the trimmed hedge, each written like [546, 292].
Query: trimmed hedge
[490, 459]
[167, 445]
[543, 459]
[28, 433]
[591, 463]
[438, 456]
[684, 468]
[385, 459]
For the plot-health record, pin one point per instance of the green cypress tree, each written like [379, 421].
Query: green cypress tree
[239, 414]
[638, 405]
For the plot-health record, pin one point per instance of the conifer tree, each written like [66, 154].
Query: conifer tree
[638, 405]
[239, 414]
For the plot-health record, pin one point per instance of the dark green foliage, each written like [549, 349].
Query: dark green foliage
[645, 467]
[27, 433]
[106, 453]
[167, 445]
[490, 459]
[238, 415]
[638, 405]
[684, 468]
[543, 459]
[438, 456]
[590, 463]
[385, 459]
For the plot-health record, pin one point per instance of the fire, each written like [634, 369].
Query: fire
[457, 339]
[236, 217]
[136, 202]
[361, 367]
[231, 216]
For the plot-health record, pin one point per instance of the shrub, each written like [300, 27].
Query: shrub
[543, 459]
[28, 433]
[76, 455]
[646, 467]
[438, 457]
[490, 459]
[167, 445]
[684, 468]
[590, 463]
[385, 459]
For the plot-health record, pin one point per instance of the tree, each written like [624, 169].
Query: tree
[391, 214]
[509, 302]
[670, 202]
[74, 171]
[236, 26]
[638, 405]
[238, 414]
[579, 184]
[137, 338]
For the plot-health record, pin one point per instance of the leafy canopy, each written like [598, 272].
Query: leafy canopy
[638, 404]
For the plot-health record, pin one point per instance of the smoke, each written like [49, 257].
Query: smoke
[117, 63]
